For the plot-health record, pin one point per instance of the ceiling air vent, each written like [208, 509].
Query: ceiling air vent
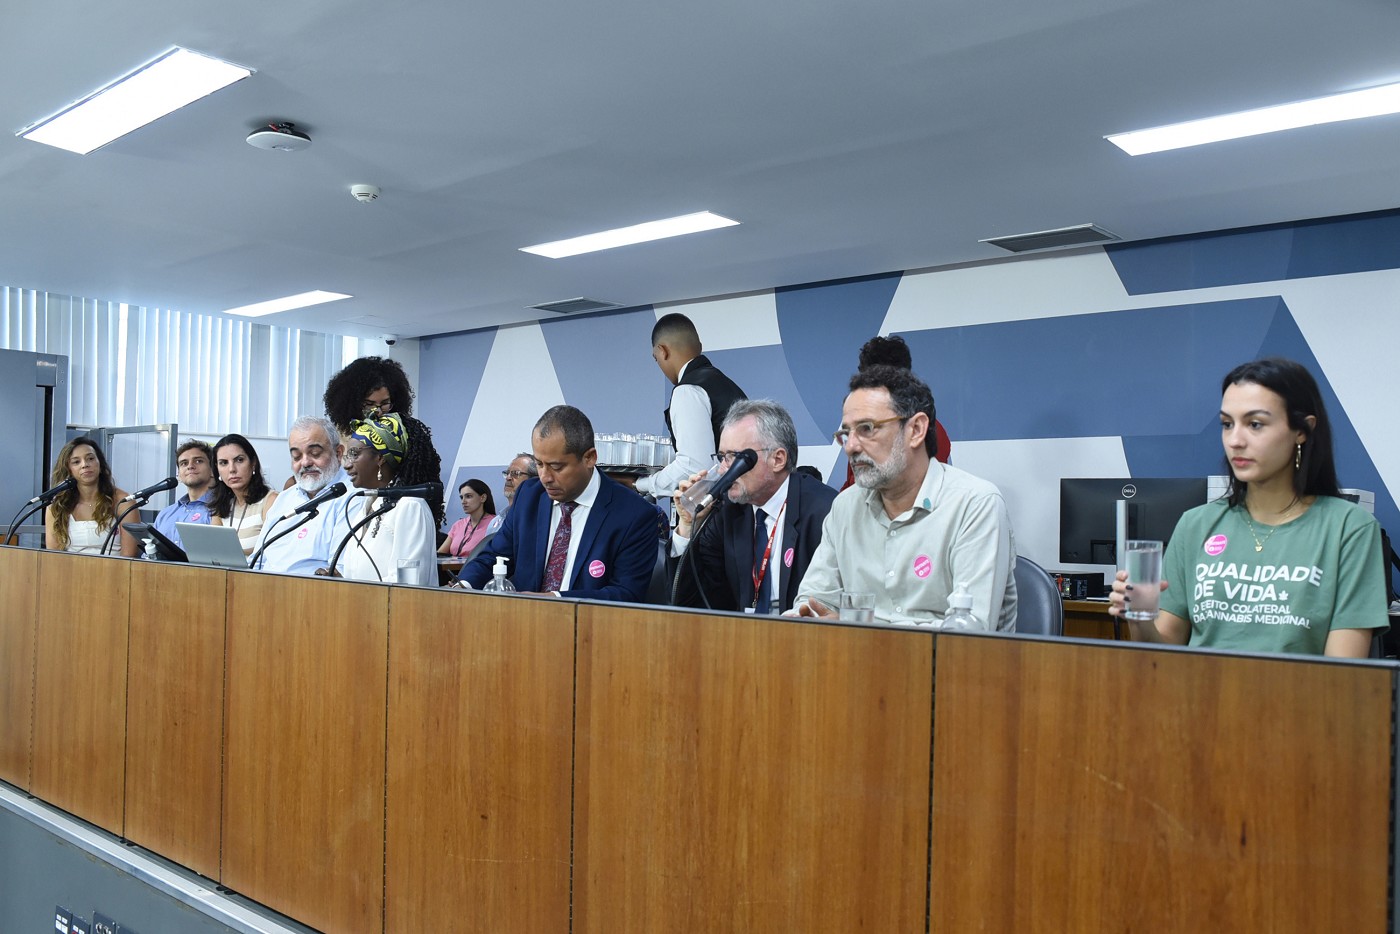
[574, 306]
[1079, 235]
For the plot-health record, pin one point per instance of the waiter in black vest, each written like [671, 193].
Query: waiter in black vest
[698, 403]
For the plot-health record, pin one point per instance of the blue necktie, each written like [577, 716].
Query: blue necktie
[764, 604]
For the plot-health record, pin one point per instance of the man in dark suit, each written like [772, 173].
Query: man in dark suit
[572, 532]
[744, 563]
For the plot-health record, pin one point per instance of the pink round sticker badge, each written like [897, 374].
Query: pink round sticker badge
[302, 533]
[196, 516]
[596, 569]
[787, 558]
[1216, 544]
[923, 567]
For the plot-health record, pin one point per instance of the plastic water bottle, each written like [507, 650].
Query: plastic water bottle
[960, 618]
[499, 583]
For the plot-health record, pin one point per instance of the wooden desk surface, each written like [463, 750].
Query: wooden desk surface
[1089, 619]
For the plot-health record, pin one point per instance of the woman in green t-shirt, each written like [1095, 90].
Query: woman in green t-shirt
[1282, 563]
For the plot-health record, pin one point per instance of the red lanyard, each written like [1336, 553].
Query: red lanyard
[761, 570]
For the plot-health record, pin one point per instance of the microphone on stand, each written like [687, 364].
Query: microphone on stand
[421, 490]
[317, 501]
[744, 461]
[48, 495]
[169, 483]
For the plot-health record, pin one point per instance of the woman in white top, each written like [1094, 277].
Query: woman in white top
[241, 495]
[80, 519]
[397, 547]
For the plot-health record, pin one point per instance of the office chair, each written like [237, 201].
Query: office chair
[1039, 610]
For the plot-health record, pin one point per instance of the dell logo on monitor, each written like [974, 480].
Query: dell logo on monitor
[1129, 491]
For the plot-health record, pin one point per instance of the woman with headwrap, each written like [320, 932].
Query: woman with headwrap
[397, 546]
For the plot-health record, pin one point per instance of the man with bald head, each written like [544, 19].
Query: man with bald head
[699, 402]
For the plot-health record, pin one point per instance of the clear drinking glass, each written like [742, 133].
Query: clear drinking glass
[690, 499]
[1143, 562]
[857, 607]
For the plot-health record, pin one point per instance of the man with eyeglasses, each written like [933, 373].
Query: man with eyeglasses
[571, 532]
[316, 452]
[520, 470]
[911, 529]
[752, 553]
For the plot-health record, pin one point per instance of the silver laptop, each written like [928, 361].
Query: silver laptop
[213, 545]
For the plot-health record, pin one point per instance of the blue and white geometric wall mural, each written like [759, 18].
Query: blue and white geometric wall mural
[1096, 362]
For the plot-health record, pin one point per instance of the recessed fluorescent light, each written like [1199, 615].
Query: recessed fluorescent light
[272, 306]
[178, 77]
[637, 233]
[1353, 105]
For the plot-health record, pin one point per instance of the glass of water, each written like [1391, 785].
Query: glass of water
[857, 607]
[1143, 562]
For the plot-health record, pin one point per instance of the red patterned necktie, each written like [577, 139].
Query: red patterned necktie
[559, 550]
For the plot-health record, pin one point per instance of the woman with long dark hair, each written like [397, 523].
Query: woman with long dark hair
[469, 531]
[241, 494]
[1282, 563]
[80, 519]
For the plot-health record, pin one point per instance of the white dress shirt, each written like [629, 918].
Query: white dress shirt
[577, 520]
[310, 546]
[695, 439]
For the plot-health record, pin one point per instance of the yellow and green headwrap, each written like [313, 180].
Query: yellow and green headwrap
[385, 434]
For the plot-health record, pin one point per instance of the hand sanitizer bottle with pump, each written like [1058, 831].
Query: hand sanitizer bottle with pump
[960, 618]
[498, 583]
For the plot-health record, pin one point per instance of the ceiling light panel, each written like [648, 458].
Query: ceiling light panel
[161, 86]
[1353, 105]
[625, 236]
[274, 305]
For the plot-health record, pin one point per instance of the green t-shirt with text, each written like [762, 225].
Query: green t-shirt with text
[1318, 572]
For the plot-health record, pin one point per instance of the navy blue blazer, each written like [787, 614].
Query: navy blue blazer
[724, 553]
[616, 554]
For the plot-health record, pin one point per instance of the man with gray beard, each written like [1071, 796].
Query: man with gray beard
[316, 451]
[911, 529]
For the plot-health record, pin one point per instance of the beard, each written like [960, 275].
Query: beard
[311, 479]
[872, 476]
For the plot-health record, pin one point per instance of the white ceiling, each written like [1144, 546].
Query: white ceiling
[849, 138]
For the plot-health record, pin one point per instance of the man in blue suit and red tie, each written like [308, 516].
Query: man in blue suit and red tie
[572, 532]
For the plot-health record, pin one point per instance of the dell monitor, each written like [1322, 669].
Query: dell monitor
[1089, 513]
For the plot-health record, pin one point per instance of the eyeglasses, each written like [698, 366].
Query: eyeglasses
[352, 454]
[727, 457]
[865, 430]
[516, 474]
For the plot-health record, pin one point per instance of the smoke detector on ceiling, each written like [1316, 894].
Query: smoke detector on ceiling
[284, 137]
[364, 193]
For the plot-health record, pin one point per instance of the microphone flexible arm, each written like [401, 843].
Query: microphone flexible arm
[117, 522]
[694, 568]
[19, 520]
[305, 518]
[364, 521]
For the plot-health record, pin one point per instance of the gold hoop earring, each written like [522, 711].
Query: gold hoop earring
[1298, 458]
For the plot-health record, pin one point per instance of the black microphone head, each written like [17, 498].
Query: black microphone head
[66, 485]
[427, 490]
[337, 488]
[169, 483]
[748, 456]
